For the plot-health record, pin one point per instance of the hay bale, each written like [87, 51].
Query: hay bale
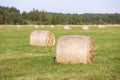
[42, 38]
[85, 27]
[52, 26]
[36, 26]
[101, 26]
[67, 27]
[75, 49]
[42, 26]
[18, 26]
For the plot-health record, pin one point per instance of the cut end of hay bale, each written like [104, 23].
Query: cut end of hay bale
[42, 38]
[75, 49]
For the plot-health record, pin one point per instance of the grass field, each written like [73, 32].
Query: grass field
[21, 61]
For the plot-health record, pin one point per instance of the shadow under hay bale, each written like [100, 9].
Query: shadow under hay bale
[42, 38]
[75, 49]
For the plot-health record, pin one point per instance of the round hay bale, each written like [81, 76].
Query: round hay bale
[67, 27]
[52, 26]
[42, 26]
[75, 49]
[42, 38]
[101, 26]
[36, 26]
[85, 27]
[18, 26]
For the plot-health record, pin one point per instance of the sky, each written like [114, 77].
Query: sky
[65, 6]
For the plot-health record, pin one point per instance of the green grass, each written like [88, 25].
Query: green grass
[21, 61]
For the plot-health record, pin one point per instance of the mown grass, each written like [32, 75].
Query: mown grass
[21, 61]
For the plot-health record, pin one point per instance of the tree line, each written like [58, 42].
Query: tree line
[11, 15]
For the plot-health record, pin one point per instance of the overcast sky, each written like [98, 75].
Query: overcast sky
[65, 6]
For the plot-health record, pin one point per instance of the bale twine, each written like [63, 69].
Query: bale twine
[42, 38]
[67, 27]
[75, 49]
[85, 27]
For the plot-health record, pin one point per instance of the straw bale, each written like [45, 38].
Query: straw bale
[42, 26]
[18, 26]
[52, 26]
[101, 26]
[36, 26]
[85, 27]
[75, 49]
[67, 27]
[1, 27]
[42, 38]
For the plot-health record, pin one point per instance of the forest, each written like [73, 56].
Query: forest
[13, 16]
